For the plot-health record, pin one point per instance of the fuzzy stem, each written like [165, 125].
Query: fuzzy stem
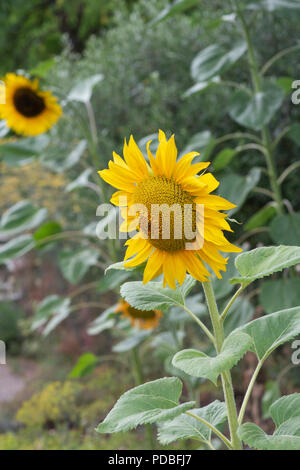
[256, 80]
[226, 376]
[137, 368]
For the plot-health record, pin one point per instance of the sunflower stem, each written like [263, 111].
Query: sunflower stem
[138, 373]
[226, 376]
[257, 86]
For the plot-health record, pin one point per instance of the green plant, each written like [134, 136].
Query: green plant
[261, 336]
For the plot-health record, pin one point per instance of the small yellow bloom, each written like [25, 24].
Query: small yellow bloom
[27, 110]
[169, 182]
[144, 319]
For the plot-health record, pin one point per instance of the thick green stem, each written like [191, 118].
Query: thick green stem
[139, 380]
[226, 376]
[257, 85]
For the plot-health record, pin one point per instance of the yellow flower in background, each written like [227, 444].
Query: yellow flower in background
[144, 319]
[28, 110]
[170, 182]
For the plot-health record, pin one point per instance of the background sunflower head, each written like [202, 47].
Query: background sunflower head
[143, 319]
[170, 182]
[28, 110]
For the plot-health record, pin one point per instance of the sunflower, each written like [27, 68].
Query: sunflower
[170, 182]
[144, 319]
[27, 109]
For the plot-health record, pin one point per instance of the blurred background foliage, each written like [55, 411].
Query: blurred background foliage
[137, 72]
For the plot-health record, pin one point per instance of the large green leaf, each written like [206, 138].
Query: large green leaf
[272, 330]
[286, 229]
[20, 217]
[255, 111]
[75, 264]
[278, 294]
[265, 261]
[285, 413]
[236, 188]
[153, 295]
[214, 60]
[187, 427]
[18, 246]
[148, 403]
[52, 308]
[83, 90]
[283, 439]
[198, 364]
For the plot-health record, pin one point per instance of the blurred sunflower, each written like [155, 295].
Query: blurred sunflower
[144, 319]
[28, 110]
[169, 182]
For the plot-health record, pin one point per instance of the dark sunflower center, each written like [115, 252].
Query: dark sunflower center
[141, 314]
[169, 218]
[28, 103]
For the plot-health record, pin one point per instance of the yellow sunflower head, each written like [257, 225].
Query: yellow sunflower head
[27, 110]
[144, 319]
[175, 184]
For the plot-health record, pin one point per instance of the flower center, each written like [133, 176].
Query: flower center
[141, 314]
[28, 103]
[169, 215]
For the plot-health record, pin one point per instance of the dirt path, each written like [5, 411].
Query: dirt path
[10, 383]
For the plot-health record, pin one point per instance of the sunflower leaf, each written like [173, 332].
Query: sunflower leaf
[153, 295]
[285, 413]
[148, 403]
[265, 261]
[255, 111]
[198, 364]
[271, 331]
[284, 439]
[187, 427]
